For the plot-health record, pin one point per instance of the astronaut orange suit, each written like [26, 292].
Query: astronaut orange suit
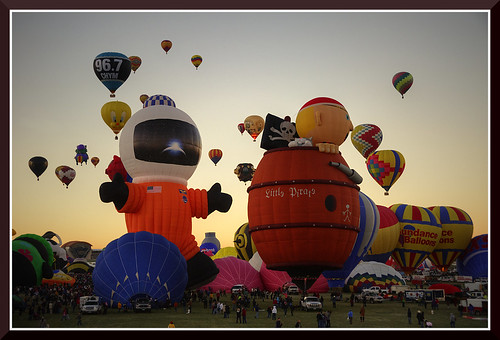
[173, 205]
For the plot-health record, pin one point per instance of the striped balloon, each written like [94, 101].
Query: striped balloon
[386, 166]
[387, 236]
[196, 60]
[402, 81]
[366, 138]
[215, 155]
[420, 234]
[456, 234]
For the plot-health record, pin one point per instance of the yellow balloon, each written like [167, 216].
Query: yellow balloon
[254, 125]
[115, 114]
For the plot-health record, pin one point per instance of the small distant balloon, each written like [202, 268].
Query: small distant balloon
[143, 98]
[65, 174]
[136, 62]
[196, 60]
[95, 161]
[244, 171]
[112, 69]
[402, 81]
[166, 45]
[254, 125]
[241, 128]
[215, 155]
[38, 164]
[81, 154]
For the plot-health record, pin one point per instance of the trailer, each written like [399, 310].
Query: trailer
[479, 305]
[427, 294]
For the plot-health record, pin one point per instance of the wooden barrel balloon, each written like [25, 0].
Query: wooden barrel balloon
[303, 214]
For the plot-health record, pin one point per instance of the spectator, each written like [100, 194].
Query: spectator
[452, 320]
[279, 324]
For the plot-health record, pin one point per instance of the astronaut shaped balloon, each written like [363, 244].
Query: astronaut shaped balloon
[326, 121]
[160, 148]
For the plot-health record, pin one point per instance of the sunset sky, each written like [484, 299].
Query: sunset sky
[254, 63]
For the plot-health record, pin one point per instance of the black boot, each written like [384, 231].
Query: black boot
[201, 270]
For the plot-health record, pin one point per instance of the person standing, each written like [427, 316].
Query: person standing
[362, 314]
[298, 324]
[452, 320]
[279, 324]
[409, 315]
[244, 315]
[274, 312]
[171, 325]
[238, 314]
[349, 316]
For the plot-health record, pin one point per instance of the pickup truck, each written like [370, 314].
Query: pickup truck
[311, 302]
[90, 304]
[370, 297]
[376, 289]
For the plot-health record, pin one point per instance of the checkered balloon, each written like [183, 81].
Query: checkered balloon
[159, 99]
[366, 138]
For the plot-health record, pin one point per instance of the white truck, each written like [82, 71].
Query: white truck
[311, 303]
[376, 289]
[90, 304]
[480, 305]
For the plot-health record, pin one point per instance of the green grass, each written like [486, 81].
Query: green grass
[389, 314]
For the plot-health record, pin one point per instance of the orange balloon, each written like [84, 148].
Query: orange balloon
[166, 45]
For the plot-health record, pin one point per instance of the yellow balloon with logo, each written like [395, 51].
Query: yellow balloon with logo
[116, 114]
[245, 247]
[419, 236]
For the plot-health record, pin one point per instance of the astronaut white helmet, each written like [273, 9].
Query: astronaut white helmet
[160, 143]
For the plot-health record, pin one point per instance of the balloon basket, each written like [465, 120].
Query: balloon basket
[386, 193]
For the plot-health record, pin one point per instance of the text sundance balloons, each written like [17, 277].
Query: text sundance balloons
[112, 69]
[474, 259]
[95, 161]
[140, 263]
[456, 233]
[135, 62]
[386, 166]
[369, 221]
[366, 138]
[387, 236]
[65, 174]
[38, 164]
[166, 45]
[243, 243]
[402, 81]
[368, 274]
[116, 114]
[215, 155]
[420, 234]
[196, 60]
[254, 125]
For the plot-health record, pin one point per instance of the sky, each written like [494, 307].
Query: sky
[254, 63]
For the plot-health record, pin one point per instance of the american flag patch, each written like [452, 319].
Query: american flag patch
[153, 189]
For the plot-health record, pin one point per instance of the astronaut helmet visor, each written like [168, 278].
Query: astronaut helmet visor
[167, 141]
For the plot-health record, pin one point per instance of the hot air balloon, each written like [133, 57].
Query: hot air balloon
[474, 259]
[215, 155]
[38, 164]
[166, 45]
[271, 279]
[386, 166]
[241, 128]
[32, 259]
[368, 274]
[234, 271]
[65, 174]
[95, 161]
[369, 222]
[244, 171]
[115, 166]
[116, 114]
[159, 99]
[225, 252]
[254, 125]
[143, 98]
[135, 62]
[303, 214]
[243, 243]
[387, 236]
[196, 60]
[420, 234]
[210, 244]
[366, 138]
[112, 69]
[402, 81]
[457, 228]
[81, 154]
[140, 263]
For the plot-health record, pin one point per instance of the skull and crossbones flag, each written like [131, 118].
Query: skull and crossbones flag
[278, 132]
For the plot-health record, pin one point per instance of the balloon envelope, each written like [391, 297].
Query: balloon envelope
[112, 69]
[420, 234]
[243, 243]
[387, 236]
[456, 234]
[65, 174]
[254, 125]
[402, 81]
[215, 155]
[140, 263]
[166, 45]
[116, 114]
[38, 164]
[234, 271]
[135, 62]
[196, 60]
[367, 274]
[95, 160]
[474, 259]
[386, 166]
[366, 138]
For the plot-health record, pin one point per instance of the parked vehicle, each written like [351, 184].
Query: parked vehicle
[370, 297]
[480, 305]
[376, 289]
[311, 303]
[291, 288]
[239, 288]
[90, 304]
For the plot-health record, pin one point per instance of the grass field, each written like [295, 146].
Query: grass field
[385, 315]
